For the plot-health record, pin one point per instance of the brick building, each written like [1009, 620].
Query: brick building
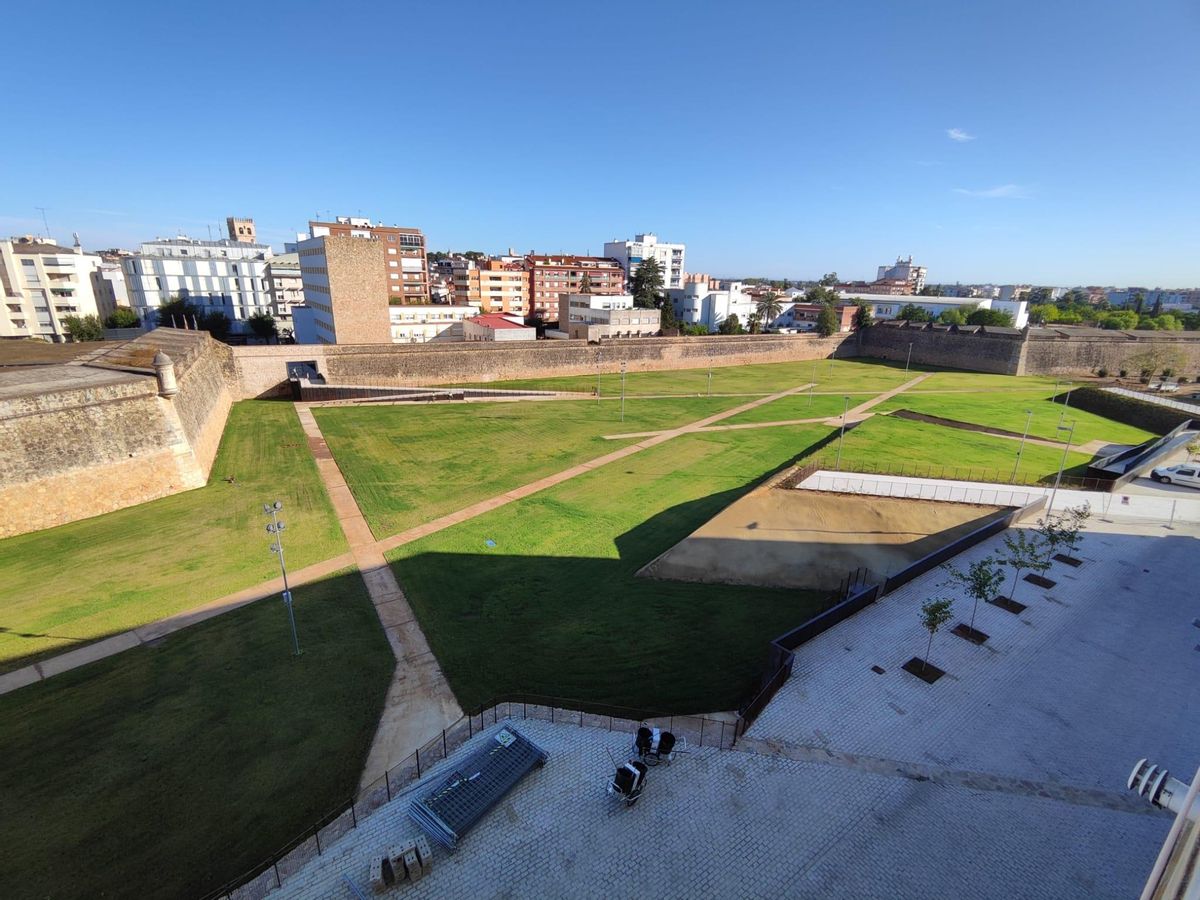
[550, 276]
[406, 272]
[491, 285]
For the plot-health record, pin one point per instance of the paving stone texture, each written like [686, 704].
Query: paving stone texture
[1005, 779]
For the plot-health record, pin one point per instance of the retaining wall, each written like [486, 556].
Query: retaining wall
[262, 371]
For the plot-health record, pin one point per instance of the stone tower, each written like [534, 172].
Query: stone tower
[241, 230]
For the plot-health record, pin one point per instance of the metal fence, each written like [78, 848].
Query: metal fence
[402, 778]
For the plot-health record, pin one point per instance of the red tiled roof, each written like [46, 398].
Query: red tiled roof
[495, 320]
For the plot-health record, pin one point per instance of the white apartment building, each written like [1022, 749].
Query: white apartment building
[42, 283]
[285, 286]
[903, 270]
[428, 323]
[643, 246]
[594, 317]
[216, 276]
[708, 302]
[108, 284]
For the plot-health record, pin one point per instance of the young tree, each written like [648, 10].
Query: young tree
[934, 614]
[1024, 552]
[263, 324]
[85, 328]
[862, 316]
[122, 317]
[755, 323]
[1051, 532]
[981, 580]
[647, 284]
[730, 325]
[1074, 521]
[585, 285]
[827, 321]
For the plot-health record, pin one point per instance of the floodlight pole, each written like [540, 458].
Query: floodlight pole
[597, 377]
[276, 529]
[1021, 447]
[1066, 404]
[710, 374]
[622, 391]
[1061, 465]
[842, 436]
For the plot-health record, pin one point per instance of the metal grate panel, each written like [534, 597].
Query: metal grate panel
[476, 785]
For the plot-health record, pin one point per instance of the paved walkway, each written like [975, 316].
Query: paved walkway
[863, 410]
[419, 701]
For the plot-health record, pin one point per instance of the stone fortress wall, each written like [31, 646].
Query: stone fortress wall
[83, 439]
[261, 371]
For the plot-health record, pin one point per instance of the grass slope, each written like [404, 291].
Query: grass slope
[887, 444]
[1008, 411]
[799, 406]
[168, 770]
[765, 378]
[555, 608]
[408, 464]
[78, 582]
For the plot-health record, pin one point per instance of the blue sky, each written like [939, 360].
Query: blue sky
[1052, 142]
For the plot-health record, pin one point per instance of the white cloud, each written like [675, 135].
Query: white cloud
[957, 134]
[1000, 192]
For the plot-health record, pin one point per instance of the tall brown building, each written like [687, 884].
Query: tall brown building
[550, 276]
[406, 272]
[345, 289]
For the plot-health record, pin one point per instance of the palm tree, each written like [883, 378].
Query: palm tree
[769, 309]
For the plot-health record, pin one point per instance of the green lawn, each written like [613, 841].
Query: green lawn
[980, 381]
[800, 406]
[169, 770]
[554, 607]
[407, 464]
[884, 443]
[765, 378]
[1008, 411]
[78, 582]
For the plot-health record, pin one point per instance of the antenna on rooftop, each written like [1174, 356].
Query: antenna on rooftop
[44, 222]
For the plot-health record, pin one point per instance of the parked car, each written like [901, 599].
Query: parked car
[1185, 473]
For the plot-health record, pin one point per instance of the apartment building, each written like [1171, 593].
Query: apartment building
[552, 276]
[223, 276]
[108, 285]
[805, 316]
[428, 323]
[594, 317]
[346, 290]
[630, 255]
[406, 271]
[708, 302]
[903, 270]
[491, 286]
[286, 287]
[43, 283]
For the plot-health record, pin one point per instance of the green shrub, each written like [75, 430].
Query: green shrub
[1102, 372]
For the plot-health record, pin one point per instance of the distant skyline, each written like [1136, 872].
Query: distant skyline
[1032, 142]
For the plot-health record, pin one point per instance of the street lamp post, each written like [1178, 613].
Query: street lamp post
[1021, 447]
[597, 377]
[908, 361]
[710, 375]
[1061, 464]
[842, 436]
[275, 528]
[812, 383]
[622, 392]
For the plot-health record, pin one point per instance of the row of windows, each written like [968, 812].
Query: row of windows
[319, 288]
[314, 270]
